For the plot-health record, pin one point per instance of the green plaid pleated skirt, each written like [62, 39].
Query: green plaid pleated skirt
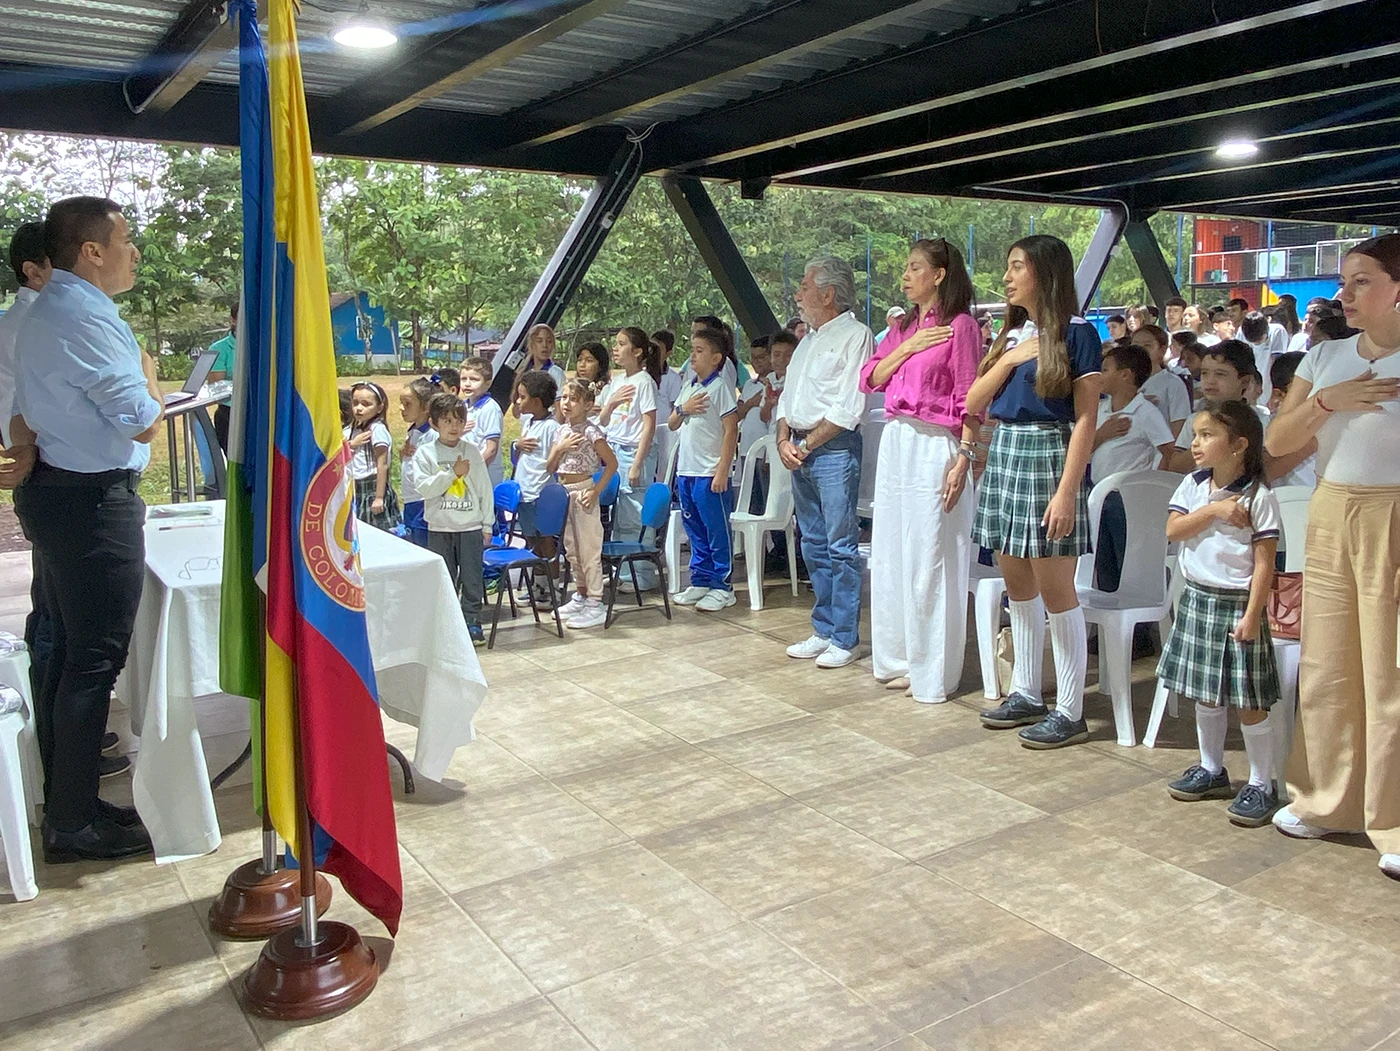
[364, 502]
[1203, 662]
[1024, 466]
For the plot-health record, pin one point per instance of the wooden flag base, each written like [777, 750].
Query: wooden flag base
[294, 982]
[256, 904]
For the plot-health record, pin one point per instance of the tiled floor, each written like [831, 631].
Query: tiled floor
[672, 837]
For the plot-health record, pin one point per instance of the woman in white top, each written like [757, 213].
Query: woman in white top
[628, 413]
[1344, 772]
[1194, 318]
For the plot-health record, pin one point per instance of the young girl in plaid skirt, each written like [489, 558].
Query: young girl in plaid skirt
[1040, 381]
[1220, 654]
[370, 445]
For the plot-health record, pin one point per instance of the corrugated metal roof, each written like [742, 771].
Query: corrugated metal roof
[83, 34]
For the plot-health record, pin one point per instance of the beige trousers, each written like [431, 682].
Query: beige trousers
[583, 541]
[1344, 772]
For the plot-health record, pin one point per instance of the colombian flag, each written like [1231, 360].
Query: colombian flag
[290, 538]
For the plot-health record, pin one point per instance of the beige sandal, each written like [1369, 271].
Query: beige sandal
[899, 683]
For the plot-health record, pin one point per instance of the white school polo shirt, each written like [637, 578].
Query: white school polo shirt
[1136, 450]
[1188, 432]
[1167, 391]
[531, 469]
[702, 435]
[1354, 448]
[1222, 555]
[625, 422]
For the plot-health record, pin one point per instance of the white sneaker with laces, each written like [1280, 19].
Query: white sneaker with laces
[592, 615]
[835, 657]
[1390, 865]
[574, 605]
[716, 600]
[1290, 824]
[690, 596]
[809, 648]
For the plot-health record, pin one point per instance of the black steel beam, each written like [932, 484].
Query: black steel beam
[1296, 184]
[755, 40]
[1093, 264]
[198, 41]
[1142, 242]
[478, 41]
[702, 221]
[923, 83]
[569, 265]
[1299, 106]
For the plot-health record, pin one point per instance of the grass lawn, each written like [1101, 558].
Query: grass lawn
[155, 483]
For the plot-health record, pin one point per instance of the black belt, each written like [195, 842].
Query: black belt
[47, 475]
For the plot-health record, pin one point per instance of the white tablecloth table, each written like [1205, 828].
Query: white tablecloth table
[427, 671]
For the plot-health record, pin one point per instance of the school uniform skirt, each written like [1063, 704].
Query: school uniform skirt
[1202, 660]
[1024, 467]
[364, 502]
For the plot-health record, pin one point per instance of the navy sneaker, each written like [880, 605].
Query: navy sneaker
[477, 635]
[1199, 783]
[1253, 807]
[1055, 731]
[1016, 710]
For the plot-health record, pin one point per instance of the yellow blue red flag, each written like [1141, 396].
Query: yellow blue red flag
[291, 529]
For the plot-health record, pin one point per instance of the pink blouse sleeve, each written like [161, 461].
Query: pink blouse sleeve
[963, 358]
[887, 347]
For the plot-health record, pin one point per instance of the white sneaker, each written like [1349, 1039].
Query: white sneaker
[835, 657]
[1390, 865]
[574, 605]
[716, 600]
[590, 616]
[809, 648]
[1290, 824]
[690, 596]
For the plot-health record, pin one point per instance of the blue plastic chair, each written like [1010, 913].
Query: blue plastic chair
[551, 511]
[506, 497]
[607, 500]
[656, 514]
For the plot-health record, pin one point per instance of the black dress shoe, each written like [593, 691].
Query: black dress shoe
[1016, 710]
[110, 740]
[125, 816]
[102, 840]
[111, 765]
[1054, 731]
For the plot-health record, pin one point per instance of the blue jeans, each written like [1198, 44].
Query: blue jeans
[825, 490]
[705, 515]
[627, 512]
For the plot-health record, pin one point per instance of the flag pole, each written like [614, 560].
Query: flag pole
[312, 969]
[263, 896]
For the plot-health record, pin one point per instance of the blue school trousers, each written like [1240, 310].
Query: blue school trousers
[705, 515]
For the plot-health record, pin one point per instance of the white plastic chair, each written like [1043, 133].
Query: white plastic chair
[1141, 597]
[677, 572]
[14, 673]
[14, 830]
[776, 516]
[987, 589]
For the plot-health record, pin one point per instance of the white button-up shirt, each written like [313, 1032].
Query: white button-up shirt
[823, 380]
[9, 329]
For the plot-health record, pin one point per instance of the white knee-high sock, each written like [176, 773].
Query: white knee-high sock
[1259, 747]
[1069, 640]
[1212, 721]
[1028, 642]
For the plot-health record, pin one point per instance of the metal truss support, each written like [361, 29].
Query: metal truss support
[1099, 254]
[1161, 282]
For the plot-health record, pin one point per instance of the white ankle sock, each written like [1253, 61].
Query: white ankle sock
[1070, 644]
[1259, 747]
[1028, 642]
[1211, 723]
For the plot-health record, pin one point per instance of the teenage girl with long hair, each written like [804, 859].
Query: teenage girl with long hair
[1040, 381]
[627, 410]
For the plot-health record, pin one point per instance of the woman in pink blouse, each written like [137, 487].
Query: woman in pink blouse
[921, 545]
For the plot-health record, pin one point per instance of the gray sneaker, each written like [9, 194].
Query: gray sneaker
[1016, 710]
[1199, 783]
[1054, 731]
[1253, 807]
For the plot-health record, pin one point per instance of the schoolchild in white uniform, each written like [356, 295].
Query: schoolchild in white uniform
[1300, 466]
[752, 425]
[534, 404]
[1220, 654]
[628, 413]
[1226, 370]
[668, 386]
[485, 419]
[1131, 436]
[706, 419]
[413, 406]
[1164, 388]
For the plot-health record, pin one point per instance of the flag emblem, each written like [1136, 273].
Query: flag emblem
[328, 539]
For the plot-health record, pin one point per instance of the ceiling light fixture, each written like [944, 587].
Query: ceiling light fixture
[364, 32]
[1236, 150]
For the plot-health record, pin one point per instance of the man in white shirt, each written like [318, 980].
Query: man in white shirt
[819, 440]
